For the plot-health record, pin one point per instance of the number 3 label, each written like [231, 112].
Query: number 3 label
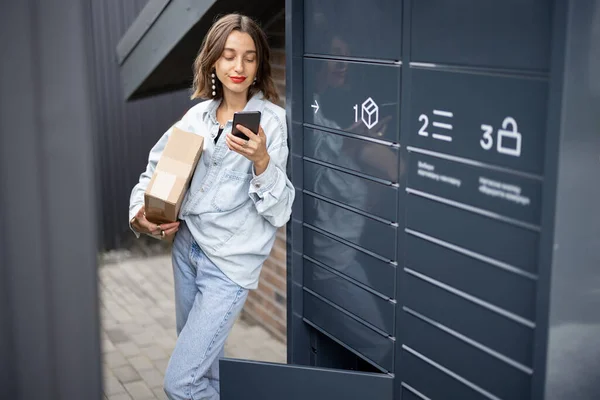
[487, 141]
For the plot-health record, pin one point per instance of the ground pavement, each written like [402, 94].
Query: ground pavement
[138, 328]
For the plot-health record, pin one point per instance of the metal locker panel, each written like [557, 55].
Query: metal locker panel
[474, 277]
[508, 196]
[490, 326]
[370, 158]
[434, 380]
[355, 335]
[358, 301]
[242, 379]
[354, 97]
[502, 34]
[462, 358]
[360, 193]
[353, 28]
[494, 119]
[378, 274]
[371, 234]
[475, 233]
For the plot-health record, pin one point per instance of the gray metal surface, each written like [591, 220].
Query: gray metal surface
[500, 34]
[573, 355]
[466, 218]
[126, 130]
[370, 234]
[370, 158]
[349, 25]
[512, 247]
[348, 330]
[462, 106]
[49, 294]
[136, 31]
[341, 95]
[176, 19]
[7, 373]
[512, 292]
[474, 188]
[251, 380]
[327, 181]
[371, 271]
[360, 301]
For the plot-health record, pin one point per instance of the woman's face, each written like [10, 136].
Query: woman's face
[237, 66]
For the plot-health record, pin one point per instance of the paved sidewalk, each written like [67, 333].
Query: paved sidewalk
[138, 329]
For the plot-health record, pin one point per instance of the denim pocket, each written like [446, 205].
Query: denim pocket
[231, 191]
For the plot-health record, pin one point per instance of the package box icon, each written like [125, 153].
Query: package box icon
[370, 113]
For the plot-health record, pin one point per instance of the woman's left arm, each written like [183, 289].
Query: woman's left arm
[270, 189]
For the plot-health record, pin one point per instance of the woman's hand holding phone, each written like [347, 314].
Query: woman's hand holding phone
[254, 149]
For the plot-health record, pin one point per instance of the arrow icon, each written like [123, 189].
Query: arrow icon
[315, 106]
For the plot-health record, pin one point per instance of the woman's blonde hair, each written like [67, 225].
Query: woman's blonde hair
[212, 48]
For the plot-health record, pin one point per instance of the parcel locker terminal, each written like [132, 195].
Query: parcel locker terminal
[444, 243]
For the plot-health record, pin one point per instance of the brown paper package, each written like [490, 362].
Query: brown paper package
[172, 176]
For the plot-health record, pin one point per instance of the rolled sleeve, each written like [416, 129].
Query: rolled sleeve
[133, 210]
[264, 182]
[272, 192]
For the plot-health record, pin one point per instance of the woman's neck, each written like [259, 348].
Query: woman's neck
[233, 102]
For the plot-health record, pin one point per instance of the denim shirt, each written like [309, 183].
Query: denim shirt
[233, 214]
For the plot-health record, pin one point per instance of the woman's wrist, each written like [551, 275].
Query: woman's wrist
[261, 165]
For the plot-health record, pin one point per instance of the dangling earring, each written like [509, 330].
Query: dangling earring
[254, 83]
[214, 86]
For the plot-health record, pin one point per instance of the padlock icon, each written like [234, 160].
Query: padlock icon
[509, 138]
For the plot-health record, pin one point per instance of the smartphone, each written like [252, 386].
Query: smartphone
[249, 119]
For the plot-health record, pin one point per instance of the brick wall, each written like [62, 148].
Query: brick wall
[267, 305]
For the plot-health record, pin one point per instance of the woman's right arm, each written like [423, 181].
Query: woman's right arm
[136, 200]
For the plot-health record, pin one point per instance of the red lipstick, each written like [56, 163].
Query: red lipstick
[237, 79]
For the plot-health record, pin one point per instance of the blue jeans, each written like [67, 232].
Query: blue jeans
[207, 303]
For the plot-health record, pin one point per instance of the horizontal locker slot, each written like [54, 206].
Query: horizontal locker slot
[351, 105]
[371, 197]
[453, 114]
[515, 246]
[502, 288]
[342, 28]
[356, 336]
[474, 33]
[476, 366]
[495, 331]
[352, 298]
[368, 270]
[433, 380]
[377, 160]
[361, 230]
[497, 193]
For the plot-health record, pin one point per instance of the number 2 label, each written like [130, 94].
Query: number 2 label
[423, 118]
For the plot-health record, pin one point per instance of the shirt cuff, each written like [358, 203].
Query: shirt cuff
[264, 182]
[132, 213]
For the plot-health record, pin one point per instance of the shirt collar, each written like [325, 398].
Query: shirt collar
[256, 103]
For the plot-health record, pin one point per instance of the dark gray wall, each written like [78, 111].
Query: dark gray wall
[49, 322]
[126, 131]
[573, 355]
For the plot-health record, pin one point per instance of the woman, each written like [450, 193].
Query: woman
[238, 197]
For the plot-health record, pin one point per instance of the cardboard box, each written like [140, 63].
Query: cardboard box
[172, 176]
